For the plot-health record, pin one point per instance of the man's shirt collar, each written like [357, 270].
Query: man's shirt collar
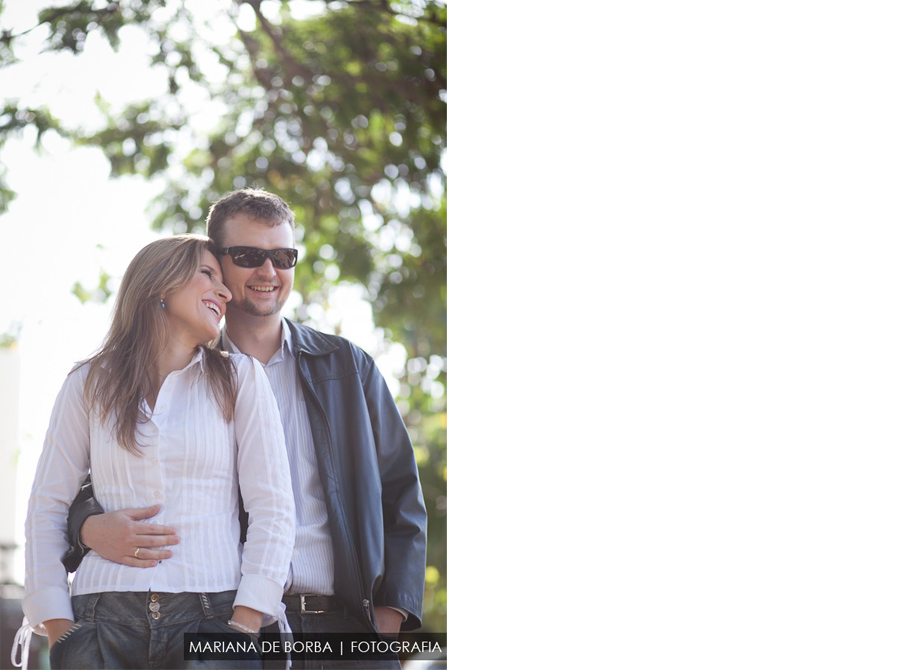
[277, 357]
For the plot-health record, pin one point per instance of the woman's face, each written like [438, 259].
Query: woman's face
[194, 310]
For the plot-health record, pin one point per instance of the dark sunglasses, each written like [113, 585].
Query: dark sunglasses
[251, 257]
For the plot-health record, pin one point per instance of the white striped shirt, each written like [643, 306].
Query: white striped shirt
[312, 562]
[192, 462]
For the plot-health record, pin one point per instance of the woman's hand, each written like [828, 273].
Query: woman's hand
[250, 618]
[116, 536]
[56, 627]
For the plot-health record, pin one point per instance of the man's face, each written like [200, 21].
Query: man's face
[258, 291]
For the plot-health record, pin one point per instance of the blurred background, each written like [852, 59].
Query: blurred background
[121, 122]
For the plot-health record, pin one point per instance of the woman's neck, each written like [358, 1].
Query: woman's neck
[173, 357]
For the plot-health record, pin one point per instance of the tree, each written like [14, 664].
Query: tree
[342, 114]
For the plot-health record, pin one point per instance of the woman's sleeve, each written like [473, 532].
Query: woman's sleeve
[266, 489]
[63, 464]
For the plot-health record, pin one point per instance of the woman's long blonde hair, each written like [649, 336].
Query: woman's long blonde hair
[121, 372]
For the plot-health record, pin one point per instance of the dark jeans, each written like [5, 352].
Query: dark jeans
[330, 622]
[143, 630]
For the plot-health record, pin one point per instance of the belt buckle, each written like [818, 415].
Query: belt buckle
[303, 609]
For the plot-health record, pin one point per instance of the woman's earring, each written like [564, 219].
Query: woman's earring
[162, 302]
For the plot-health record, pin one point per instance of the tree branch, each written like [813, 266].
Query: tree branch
[295, 68]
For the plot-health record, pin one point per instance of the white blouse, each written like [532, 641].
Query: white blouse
[192, 462]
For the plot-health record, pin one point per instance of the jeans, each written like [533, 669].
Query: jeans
[329, 622]
[143, 630]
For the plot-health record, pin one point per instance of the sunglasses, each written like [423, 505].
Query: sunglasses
[251, 257]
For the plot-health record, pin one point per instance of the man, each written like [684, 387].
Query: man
[360, 548]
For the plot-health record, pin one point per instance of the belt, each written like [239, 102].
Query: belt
[310, 604]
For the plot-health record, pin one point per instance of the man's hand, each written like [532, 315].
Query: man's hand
[115, 536]
[388, 621]
[56, 627]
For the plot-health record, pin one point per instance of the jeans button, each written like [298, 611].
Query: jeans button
[154, 597]
[155, 615]
[154, 607]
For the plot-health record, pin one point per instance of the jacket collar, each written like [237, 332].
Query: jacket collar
[309, 341]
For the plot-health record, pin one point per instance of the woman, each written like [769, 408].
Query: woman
[158, 416]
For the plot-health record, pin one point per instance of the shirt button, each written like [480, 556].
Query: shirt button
[157, 494]
[155, 461]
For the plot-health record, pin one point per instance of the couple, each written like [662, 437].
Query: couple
[300, 423]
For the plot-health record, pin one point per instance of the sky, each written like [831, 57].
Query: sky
[70, 221]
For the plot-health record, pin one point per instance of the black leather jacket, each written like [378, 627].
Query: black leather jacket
[368, 470]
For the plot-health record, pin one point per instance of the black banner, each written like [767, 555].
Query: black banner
[328, 647]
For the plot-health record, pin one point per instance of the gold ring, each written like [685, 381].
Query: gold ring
[136, 551]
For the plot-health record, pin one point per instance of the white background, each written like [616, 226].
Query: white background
[674, 295]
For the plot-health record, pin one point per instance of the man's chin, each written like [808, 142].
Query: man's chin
[253, 309]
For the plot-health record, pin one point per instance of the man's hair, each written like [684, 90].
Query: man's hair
[120, 376]
[255, 203]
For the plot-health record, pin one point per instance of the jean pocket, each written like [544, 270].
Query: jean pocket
[59, 648]
[65, 636]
